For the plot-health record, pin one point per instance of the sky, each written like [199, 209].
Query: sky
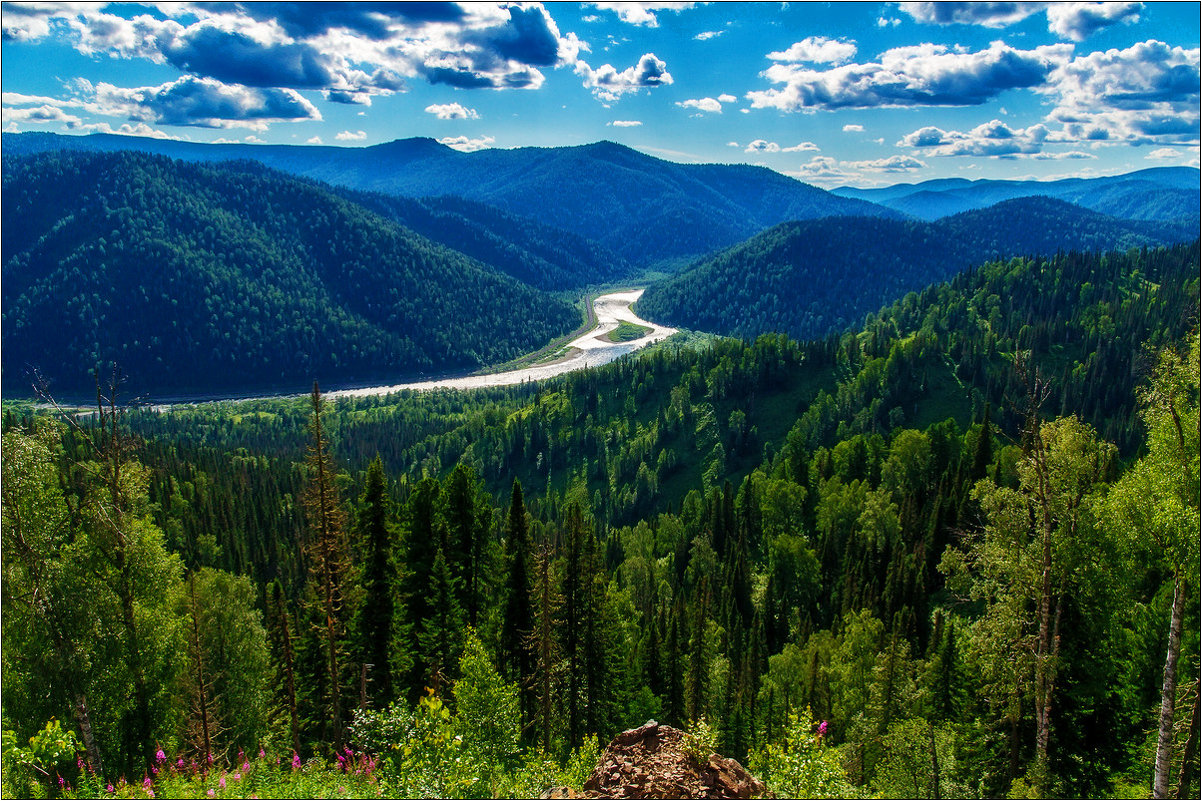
[861, 94]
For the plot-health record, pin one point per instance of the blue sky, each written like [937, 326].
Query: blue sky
[841, 93]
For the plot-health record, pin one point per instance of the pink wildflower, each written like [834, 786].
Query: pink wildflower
[212, 792]
[262, 754]
[146, 782]
[245, 766]
[159, 755]
[108, 788]
[179, 763]
[822, 729]
[237, 777]
[61, 781]
[150, 793]
[296, 763]
[221, 782]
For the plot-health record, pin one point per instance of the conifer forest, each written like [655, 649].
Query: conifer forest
[600, 400]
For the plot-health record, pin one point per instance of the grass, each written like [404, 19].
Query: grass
[625, 332]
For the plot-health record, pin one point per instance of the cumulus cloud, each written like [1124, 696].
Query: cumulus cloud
[707, 35]
[452, 111]
[200, 102]
[710, 104]
[41, 114]
[625, 123]
[313, 140]
[828, 171]
[919, 75]
[823, 169]
[1146, 94]
[887, 22]
[350, 136]
[899, 163]
[993, 138]
[466, 145]
[348, 51]
[1164, 154]
[853, 128]
[607, 84]
[817, 50]
[989, 15]
[641, 13]
[1077, 21]
[764, 146]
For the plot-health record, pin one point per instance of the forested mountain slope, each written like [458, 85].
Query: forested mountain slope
[1159, 193]
[809, 278]
[194, 277]
[740, 532]
[645, 209]
[534, 253]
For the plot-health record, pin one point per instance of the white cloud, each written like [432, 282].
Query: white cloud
[607, 84]
[347, 52]
[887, 22]
[764, 146]
[732, 144]
[829, 172]
[350, 136]
[987, 14]
[1077, 21]
[817, 50]
[452, 111]
[641, 13]
[1146, 93]
[313, 140]
[466, 145]
[710, 104]
[1164, 154]
[707, 35]
[625, 123]
[898, 163]
[920, 75]
[853, 128]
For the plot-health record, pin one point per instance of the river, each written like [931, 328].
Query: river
[588, 350]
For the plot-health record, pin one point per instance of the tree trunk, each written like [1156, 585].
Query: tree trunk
[84, 719]
[1168, 694]
[1191, 746]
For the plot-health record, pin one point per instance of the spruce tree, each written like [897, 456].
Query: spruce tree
[373, 625]
[327, 560]
[517, 623]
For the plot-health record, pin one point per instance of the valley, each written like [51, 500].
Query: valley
[792, 487]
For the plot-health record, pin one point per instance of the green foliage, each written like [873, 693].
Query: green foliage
[801, 765]
[699, 741]
[45, 766]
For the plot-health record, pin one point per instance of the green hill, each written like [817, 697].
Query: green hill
[233, 277]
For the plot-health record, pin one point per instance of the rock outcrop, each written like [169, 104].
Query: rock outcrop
[653, 761]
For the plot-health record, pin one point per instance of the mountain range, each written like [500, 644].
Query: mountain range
[647, 210]
[1159, 193]
[240, 267]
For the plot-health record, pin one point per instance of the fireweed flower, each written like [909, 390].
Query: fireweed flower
[61, 781]
[179, 763]
[159, 755]
[245, 766]
[221, 782]
[212, 792]
[262, 753]
[822, 729]
[296, 763]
